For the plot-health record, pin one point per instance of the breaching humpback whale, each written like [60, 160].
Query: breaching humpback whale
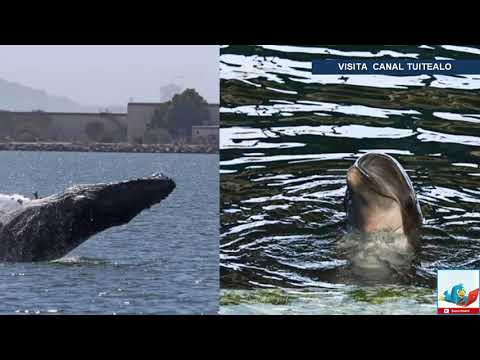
[50, 227]
[383, 215]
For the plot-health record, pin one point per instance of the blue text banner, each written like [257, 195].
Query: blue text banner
[400, 67]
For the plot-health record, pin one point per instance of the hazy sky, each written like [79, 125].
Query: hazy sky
[111, 75]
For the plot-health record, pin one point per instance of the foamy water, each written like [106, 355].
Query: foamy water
[379, 252]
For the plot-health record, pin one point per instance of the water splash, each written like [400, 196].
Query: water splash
[9, 203]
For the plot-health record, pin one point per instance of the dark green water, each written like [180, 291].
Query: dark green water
[288, 138]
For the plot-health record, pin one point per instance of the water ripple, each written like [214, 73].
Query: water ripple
[288, 137]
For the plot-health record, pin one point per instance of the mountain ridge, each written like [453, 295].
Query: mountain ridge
[17, 97]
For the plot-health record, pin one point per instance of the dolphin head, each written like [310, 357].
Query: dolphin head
[380, 197]
[49, 228]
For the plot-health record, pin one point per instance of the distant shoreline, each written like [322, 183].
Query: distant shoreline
[110, 147]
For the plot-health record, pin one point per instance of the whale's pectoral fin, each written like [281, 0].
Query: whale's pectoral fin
[49, 228]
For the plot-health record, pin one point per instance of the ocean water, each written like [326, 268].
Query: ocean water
[165, 261]
[287, 140]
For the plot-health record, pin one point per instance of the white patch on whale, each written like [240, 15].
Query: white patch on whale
[12, 202]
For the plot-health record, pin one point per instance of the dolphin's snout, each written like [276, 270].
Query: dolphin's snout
[353, 177]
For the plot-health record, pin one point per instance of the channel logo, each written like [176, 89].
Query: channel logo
[458, 291]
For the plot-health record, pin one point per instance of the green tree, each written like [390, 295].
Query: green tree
[186, 110]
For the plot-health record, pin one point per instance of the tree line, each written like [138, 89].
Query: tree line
[174, 119]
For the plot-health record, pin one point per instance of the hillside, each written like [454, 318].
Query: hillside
[17, 97]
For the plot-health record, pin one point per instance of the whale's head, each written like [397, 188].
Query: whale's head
[380, 197]
[101, 206]
[49, 228]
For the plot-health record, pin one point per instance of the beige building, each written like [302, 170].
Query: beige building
[90, 127]
[63, 127]
[138, 116]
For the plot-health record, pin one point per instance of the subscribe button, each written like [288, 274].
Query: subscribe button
[400, 67]
[457, 311]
